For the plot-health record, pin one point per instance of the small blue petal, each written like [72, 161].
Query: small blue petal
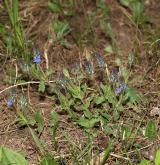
[12, 98]
[37, 57]
[10, 103]
[119, 90]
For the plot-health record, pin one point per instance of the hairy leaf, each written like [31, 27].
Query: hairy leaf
[151, 130]
[8, 156]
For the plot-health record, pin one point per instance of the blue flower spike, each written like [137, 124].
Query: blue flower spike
[37, 57]
[10, 102]
[88, 67]
[100, 60]
[12, 99]
[121, 88]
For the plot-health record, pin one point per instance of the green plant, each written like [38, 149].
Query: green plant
[61, 29]
[53, 127]
[13, 13]
[86, 102]
[8, 156]
[17, 40]
[48, 160]
[137, 8]
[106, 154]
[151, 130]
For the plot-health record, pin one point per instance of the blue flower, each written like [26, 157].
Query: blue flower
[12, 99]
[100, 60]
[121, 88]
[37, 57]
[10, 102]
[89, 67]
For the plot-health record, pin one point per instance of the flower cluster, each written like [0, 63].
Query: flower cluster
[88, 67]
[12, 99]
[37, 57]
[100, 60]
[121, 88]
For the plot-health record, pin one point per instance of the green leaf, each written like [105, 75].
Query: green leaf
[54, 123]
[25, 121]
[41, 87]
[103, 7]
[138, 9]
[40, 121]
[48, 73]
[115, 115]
[36, 72]
[108, 129]
[126, 2]
[109, 49]
[2, 29]
[48, 160]
[23, 103]
[109, 94]
[151, 130]
[8, 156]
[65, 103]
[88, 123]
[54, 119]
[145, 162]
[99, 100]
[36, 140]
[106, 154]
[76, 92]
[61, 28]
[157, 158]
[55, 7]
[87, 114]
[133, 95]
[126, 132]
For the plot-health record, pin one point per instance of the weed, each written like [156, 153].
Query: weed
[137, 7]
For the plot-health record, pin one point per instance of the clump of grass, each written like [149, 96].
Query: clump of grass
[15, 42]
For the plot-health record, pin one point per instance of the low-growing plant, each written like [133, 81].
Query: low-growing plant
[137, 7]
[89, 103]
